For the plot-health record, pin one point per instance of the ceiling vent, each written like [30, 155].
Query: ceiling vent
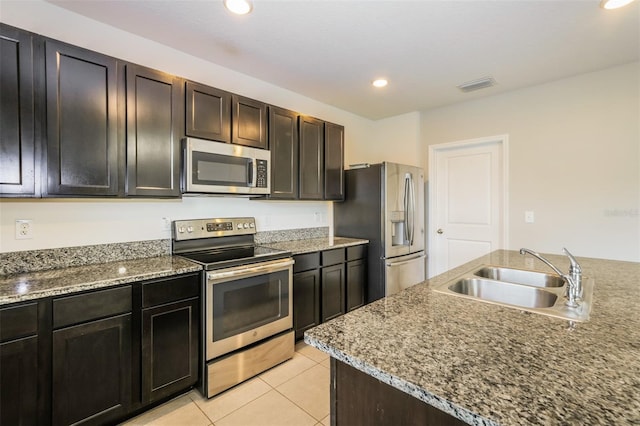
[478, 84]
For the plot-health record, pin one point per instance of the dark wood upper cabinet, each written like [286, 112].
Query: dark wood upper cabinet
[249, 122]
[208, 112]
[154, 118]
[333, 162]
[311, 158]
[18, 163]
[283, 142]
[82, 122]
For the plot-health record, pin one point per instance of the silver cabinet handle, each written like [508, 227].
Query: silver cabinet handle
[440, 231]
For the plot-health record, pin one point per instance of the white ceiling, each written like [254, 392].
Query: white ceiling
[332, 50]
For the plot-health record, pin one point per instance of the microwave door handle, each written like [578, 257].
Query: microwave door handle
[253, 173]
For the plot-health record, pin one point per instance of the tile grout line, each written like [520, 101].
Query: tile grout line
[293, 402]
[259, 396]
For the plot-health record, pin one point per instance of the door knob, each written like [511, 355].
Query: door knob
[440, 231]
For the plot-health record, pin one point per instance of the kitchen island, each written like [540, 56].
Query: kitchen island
[490, 365]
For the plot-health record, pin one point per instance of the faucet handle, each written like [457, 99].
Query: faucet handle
[575, 266]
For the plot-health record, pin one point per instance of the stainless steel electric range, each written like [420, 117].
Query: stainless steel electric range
[247, 299]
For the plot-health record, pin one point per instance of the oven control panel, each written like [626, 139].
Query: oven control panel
[206, 228]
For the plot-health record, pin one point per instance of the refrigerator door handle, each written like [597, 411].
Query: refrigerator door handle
[412, 210]
[405, 203]
[413, 259]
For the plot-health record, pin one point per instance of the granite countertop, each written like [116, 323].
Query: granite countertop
[315, 244]
[491, 365]
[35, 285]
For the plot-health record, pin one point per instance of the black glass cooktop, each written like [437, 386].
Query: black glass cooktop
[234, 256]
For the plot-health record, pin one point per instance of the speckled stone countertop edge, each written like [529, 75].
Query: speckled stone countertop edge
[398, 383]
[18, 287]
[316, 244]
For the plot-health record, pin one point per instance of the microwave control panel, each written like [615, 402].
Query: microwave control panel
[261, 173]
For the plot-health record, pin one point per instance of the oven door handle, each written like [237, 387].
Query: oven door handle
[249, 270]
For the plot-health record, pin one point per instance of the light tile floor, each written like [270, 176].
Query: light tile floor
[293, 393]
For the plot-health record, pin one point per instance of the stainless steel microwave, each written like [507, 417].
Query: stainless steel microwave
[222, 168]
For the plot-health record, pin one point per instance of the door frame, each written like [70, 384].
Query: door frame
[503, 142]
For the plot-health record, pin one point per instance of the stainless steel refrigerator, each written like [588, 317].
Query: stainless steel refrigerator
[384, 203]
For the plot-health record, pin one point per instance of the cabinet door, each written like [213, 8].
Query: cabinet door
[249, 121]
[306, 301]
[169, 349]
[153, 132]
[82, 122]
[19, 382]
[333, 292]
[311, 159]
[283, 140]
[92, 371]
[333, 162]
[356, 283]
[17, 136]
[208, 112]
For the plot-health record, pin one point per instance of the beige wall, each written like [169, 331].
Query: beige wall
[61, 223]
[574, 159]
[395, 139]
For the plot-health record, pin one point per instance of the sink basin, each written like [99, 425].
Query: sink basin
[505, 293]
[520, 276]
[529, 291]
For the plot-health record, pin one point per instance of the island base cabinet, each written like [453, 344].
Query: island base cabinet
[359, 399]
[92, 372]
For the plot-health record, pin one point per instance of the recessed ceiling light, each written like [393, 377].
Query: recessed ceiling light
[614, 4]
[380, 82]
[239, 7]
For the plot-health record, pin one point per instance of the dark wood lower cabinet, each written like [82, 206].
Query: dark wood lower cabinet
[169, 349]
[19, 382]
[356, 283]
[92, 371]
[359, 399]
[327, 284]
[333, 291]
[306, 301]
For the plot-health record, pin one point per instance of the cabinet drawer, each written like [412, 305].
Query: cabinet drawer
[170, 290]
[306, 262]
[356, 252]
[18, 321]
[90, 306]
[333, 257]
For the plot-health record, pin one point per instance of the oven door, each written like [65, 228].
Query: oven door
[246, 304]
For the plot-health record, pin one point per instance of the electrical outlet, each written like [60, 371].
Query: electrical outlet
[24, 229]
[166, 224]
[529, 217]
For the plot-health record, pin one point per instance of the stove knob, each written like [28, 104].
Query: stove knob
[181, 229]
[189, 229]
[246, 225]
[252, 225]
[239, 226]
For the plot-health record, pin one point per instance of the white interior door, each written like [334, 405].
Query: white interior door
[467, 201]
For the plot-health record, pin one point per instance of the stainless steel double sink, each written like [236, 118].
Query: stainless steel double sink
[521, 289]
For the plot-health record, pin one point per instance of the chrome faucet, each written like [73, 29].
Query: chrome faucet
[573, 278]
